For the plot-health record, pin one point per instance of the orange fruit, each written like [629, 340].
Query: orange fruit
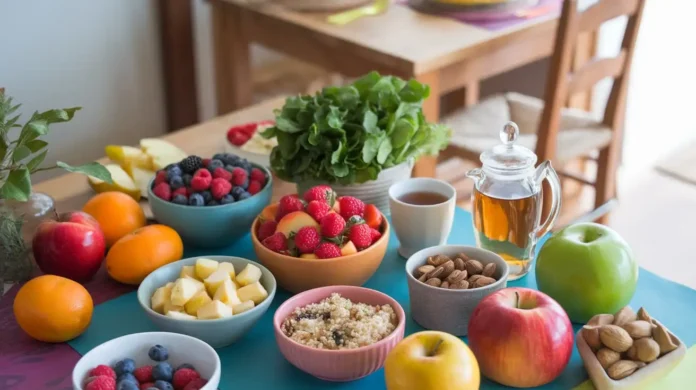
[117, 213]
[142, 251]
[53, 309]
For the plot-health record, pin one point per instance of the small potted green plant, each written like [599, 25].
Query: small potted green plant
[22, 151]
[359, 138]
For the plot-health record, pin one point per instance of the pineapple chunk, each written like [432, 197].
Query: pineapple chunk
[188, 270]
[205, 267]
[252, 292]
[213, 310]
[196, 302]
[215, 280]
[184, 289]
[242, 307]
[168, 308]
[160, 297]
[229, 268]
[180, 316]
[197, 282]
[250, 274]
[227, 293]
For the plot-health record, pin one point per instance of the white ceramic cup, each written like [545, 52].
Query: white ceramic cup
[421, 226]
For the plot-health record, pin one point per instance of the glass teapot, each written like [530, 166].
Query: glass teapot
[507, 201]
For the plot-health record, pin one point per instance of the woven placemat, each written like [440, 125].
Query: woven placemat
[322, 5]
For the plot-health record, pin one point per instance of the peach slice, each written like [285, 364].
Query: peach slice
[295, 221]
[269, 212]
[348, 249]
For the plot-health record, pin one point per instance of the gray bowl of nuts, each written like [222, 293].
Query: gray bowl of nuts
[446, 282]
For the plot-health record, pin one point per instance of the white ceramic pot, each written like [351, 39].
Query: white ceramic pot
[371, 192]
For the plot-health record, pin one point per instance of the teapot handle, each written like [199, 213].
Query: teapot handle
[546, 171]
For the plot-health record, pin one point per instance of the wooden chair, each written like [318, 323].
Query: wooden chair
[557, 133]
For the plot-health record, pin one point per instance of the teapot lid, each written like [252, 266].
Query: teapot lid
[508, 158]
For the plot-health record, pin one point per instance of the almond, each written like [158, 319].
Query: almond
[474, 278]
[647, 349]
[448, 267]
[423, 278]
[456, 276]
[435, 282]
[474, 267]
[607, 357]
[591, 335]
[463, 256]
[643, 315]
[435, 273]
[601, 319]
[624, 316]
[615, 338]
[639, 329]
[488, 270]
[663, 339]
[423, 269]
[483, 281]
[632, 352]
[437, 260]
[460, 285]
[459, 264]
[444, 284]
[622, 369]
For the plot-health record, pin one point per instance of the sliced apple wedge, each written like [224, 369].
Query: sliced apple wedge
[128, 155]
[229, 268]
[214, 310]
[177, 315]
[250, 274]
[227, 293]
[242, 307]
[162, 152]
[141, 178]
[205, 267]
[161, 297]
[253, 292]
[122, 182]
[184, 289]
[187, 270]
[196, 302]
[215, 280]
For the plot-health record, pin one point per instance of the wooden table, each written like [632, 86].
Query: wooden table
[446, 54]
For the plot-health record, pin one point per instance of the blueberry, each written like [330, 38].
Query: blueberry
[231, 159]
[213, 203]
[219, 156]
[227, 199]
[162, 371]
[244, 195]
[230, 167]
[173, 171]
[158, 353]
[196, 200]
[127, 377]
[207, 195]
[180, 199]
[162, 385]
[237, 192]
[214, 164]
[186, 365]
[187, 179]
[128, 385]
[176, 182]
[124, 366]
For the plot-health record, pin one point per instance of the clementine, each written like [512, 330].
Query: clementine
[117, 213]
[53, 309]
[142, 251]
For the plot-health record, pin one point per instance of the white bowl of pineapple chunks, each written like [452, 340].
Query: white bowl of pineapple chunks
[214, 298]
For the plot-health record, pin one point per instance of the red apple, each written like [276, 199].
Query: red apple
[520, 337]
[72, 246]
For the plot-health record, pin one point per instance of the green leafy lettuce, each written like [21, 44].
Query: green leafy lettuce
[349, 134]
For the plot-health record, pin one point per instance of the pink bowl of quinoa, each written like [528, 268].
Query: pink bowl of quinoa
[338, 333]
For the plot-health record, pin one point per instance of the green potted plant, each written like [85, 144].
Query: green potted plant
[22, 151]
[359, 138]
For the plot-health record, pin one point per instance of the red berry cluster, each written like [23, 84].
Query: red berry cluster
[338, 226]
[103, 377]
[239, 135]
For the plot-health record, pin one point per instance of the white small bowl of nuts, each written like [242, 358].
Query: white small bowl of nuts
[627, 350]
[446, 282]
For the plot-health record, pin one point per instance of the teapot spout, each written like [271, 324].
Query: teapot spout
[476, 175]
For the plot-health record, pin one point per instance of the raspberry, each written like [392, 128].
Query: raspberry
[254, 187]
[220, 187]
[287, 205]
[306, 239]
[147, 386]
[160, 177]
[318, 209]
[376, 235]
[350, 206]
[102, 370]
[373, 217]
[102, 383]
[323, 193]
[143, 374]
[222, 173]
[163, 191]
[276, 242]
[360, 235]
[327, 250]
[332, 225]
[239, 176]
[196, 384]
[191, 164]
[180, 191]
[201, 180]
[266, 229]
[183, 377]
[258, 175]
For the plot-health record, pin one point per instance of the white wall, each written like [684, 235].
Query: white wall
[101, 55]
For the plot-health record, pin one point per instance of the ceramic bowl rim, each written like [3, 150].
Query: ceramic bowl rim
[396, 306]
[271, 294]
[258, 244]
[206, 346]
[503, 277]
[396, 200]
[151, 197]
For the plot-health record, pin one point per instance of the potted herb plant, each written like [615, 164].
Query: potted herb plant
[22, 151]
[359, 138]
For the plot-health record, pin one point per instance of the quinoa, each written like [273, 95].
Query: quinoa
[338, 323]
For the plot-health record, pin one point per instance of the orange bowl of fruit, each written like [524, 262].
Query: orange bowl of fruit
[246, 141]
[317, 240]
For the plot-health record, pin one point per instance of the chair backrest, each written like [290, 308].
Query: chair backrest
[563, 82]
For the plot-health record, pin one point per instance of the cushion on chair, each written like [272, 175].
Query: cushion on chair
[476, 128]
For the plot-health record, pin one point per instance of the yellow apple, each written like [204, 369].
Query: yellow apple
[295, 221]
[128, 155]
[431, 360]
[122, 182]
[162, 152]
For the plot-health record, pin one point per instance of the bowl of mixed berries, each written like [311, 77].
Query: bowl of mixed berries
[210, 202]
[246, 141]
[317, 239]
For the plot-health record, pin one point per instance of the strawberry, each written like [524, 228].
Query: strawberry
[376, 235]
[222, 173]
[266, 229]
[102, 370]
[277, 242]
[143, 374]
[327, 250]
[322, 193]
[332, 225]
[318, 209]
[287, 205]
[373, 217]
[183, 377]
[306, 239]
[360, 235]
[351, 206]
[102, 383]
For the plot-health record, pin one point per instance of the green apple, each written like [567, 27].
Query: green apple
[587, 268]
